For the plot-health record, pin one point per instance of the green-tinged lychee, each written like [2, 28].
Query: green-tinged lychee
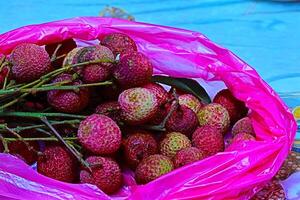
[187, 156]
[110, 109]
[209, 140]
[214, 115]
[152, 168]
[137, 146]
[133, 70]
[97, 72]
[235, 107]
[119, 43]
[99, 134]
[182, 120]
[159, 91]
[106, 174]
[172, 143]
[244, 125]
[58, 163]
[138, 105]
[68, 101]
[30, 62]
[191, 102]
[71, 57]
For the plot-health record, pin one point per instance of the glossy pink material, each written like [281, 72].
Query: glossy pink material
[236, 174]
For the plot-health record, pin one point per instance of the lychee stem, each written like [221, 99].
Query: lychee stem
[39, 115]
[4, 143]
[40, 139]
[53, 57]
[68, 146]
[59, 57]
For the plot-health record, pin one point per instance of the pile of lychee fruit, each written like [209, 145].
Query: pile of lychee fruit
[85, 114]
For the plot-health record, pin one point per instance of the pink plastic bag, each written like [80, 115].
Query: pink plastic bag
[237, 174]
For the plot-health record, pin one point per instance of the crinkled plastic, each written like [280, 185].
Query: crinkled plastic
[235, 174]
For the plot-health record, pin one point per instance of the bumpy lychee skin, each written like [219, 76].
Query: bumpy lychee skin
[271, 191]
[187, 156]
[110, 109]
[68, 101]
[191, 102]
[243, 137]
[244, 125]
[208, 139]
[235, 107]
[133, 70]
[71, 57]
[159, 91]
[119, 43]
[183, 120]
[20, 149]
[172, 143]
[214, 115]
[30, 62]
[152, 168]
[57, 163]
[106, 174]
[95, 72]
[139, 145]
[138, 105]
[99, 134]
[66, 47]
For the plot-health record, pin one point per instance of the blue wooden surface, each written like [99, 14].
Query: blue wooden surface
[265, 34]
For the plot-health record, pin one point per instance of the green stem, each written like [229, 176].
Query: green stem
[39, 115]
[4, 143]
[41, 139]
[55, 52]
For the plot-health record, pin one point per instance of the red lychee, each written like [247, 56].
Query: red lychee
[187, 156]
[110, 109]
[133, 70]
[137, 146]
[138, 105]
[235, 107]
[99, 134]
[209, 140]
[214, 115]
[106, 174]
[119, 43]
[191, 102]
[152, 168]
[273, 190]
[95, 72]
[68, 101]
[242, 137]
[57, 163]
[183, 120]
[30, 62]
[65, 48]
[160, 93]
[243, 125]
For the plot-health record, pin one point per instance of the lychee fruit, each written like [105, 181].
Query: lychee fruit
[137, 146]
[183, 120]
[208, 139]
[152, 168]
[95, 72]
[119, 43]
[243, 125]
[138, 105]
[22, 151]
[242, 137]
[191, 102]
[159, 91]
[57, 163]
[99, 134]
[235, 107]
[273, 190]
[30, 62]
[110, 109]
[187, 156]
[106, 174]
[5, 73]
[65, 48]
[68, 101]
[214, 115]
[133, 70]
[172, 143]
[72, 56]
